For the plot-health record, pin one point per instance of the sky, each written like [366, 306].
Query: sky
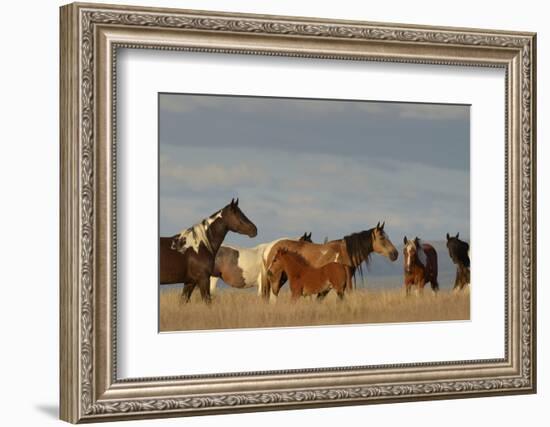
[329, 167]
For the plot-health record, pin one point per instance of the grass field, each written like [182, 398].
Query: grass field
[241, 309]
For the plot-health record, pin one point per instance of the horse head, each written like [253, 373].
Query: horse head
[381, 243]
[413, 252]
[275, 270]
[306, 237]
[409, 254]
[237, 221]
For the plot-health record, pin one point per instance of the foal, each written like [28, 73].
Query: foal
[305, 280]
[420, 265]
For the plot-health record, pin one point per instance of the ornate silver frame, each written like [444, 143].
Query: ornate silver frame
[90, 36]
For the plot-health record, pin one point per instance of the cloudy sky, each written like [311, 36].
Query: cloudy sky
[328, 167]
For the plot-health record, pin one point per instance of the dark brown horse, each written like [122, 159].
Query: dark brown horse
[351, 251]
[420, 265]
[188, 257]
[305, 280]
[459, 251]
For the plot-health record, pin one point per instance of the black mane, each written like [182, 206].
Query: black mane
[359, 248]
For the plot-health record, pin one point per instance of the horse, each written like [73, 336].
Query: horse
[459, 251]
[244, 267]
[305, 280]
[188, 257]
[420, 265]
[351, 251]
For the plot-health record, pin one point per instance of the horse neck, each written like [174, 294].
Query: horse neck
[216, 233]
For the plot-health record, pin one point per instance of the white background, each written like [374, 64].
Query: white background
[29, 171]
[141, 347]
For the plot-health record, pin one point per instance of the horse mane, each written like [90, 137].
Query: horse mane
[197, 233]
[359, 247]
[421, 254]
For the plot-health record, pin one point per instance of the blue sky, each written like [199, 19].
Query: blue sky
[324, 166]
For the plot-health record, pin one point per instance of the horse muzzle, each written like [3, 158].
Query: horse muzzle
[253, 232]
[394, 255]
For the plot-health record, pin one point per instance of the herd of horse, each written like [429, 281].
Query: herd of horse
[196, 257]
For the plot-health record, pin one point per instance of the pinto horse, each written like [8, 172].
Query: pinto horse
[305, 280]
[459, 251]
[351, 251]
[244, 267]
[188, 257]
[420, 265]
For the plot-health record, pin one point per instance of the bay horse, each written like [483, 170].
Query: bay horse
[420, 265]
[459, 251]
[244, 267]
[305, 280]
[351, 251]
[188, 257]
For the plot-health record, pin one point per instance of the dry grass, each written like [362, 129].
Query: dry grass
[240, 309]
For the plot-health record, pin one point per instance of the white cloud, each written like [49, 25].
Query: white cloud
[211, 175]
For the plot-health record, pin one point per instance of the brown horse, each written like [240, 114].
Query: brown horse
[305, 280]
[420, 265]
[351, 252]
[188, 257]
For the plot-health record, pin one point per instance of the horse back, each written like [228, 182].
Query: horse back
[431, 259]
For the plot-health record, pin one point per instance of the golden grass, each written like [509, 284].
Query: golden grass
[241, 309]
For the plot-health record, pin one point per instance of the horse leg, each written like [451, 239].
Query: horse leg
[349, 277]
[321, 295]
[213, 285]
[295, 292]
[435, 284]
[204, 287]
[187, 291]
[457, 285]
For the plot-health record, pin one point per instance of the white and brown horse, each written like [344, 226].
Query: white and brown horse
[351, 251]
[419, 265]
[244, 268]
[188, 257]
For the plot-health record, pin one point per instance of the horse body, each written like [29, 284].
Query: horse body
[306, 280]
[188, 257]
[420, 265]
[459, 251]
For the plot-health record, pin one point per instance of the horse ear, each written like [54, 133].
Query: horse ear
[448, 237]
[382, 226]
[232, 202]
[457, 234]
[237, 202]
[405, 240]
[416, 240]
[378, 225]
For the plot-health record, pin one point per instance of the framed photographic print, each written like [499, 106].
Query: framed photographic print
[265, 212]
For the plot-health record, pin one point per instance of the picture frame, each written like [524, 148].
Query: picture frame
[91, 36]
